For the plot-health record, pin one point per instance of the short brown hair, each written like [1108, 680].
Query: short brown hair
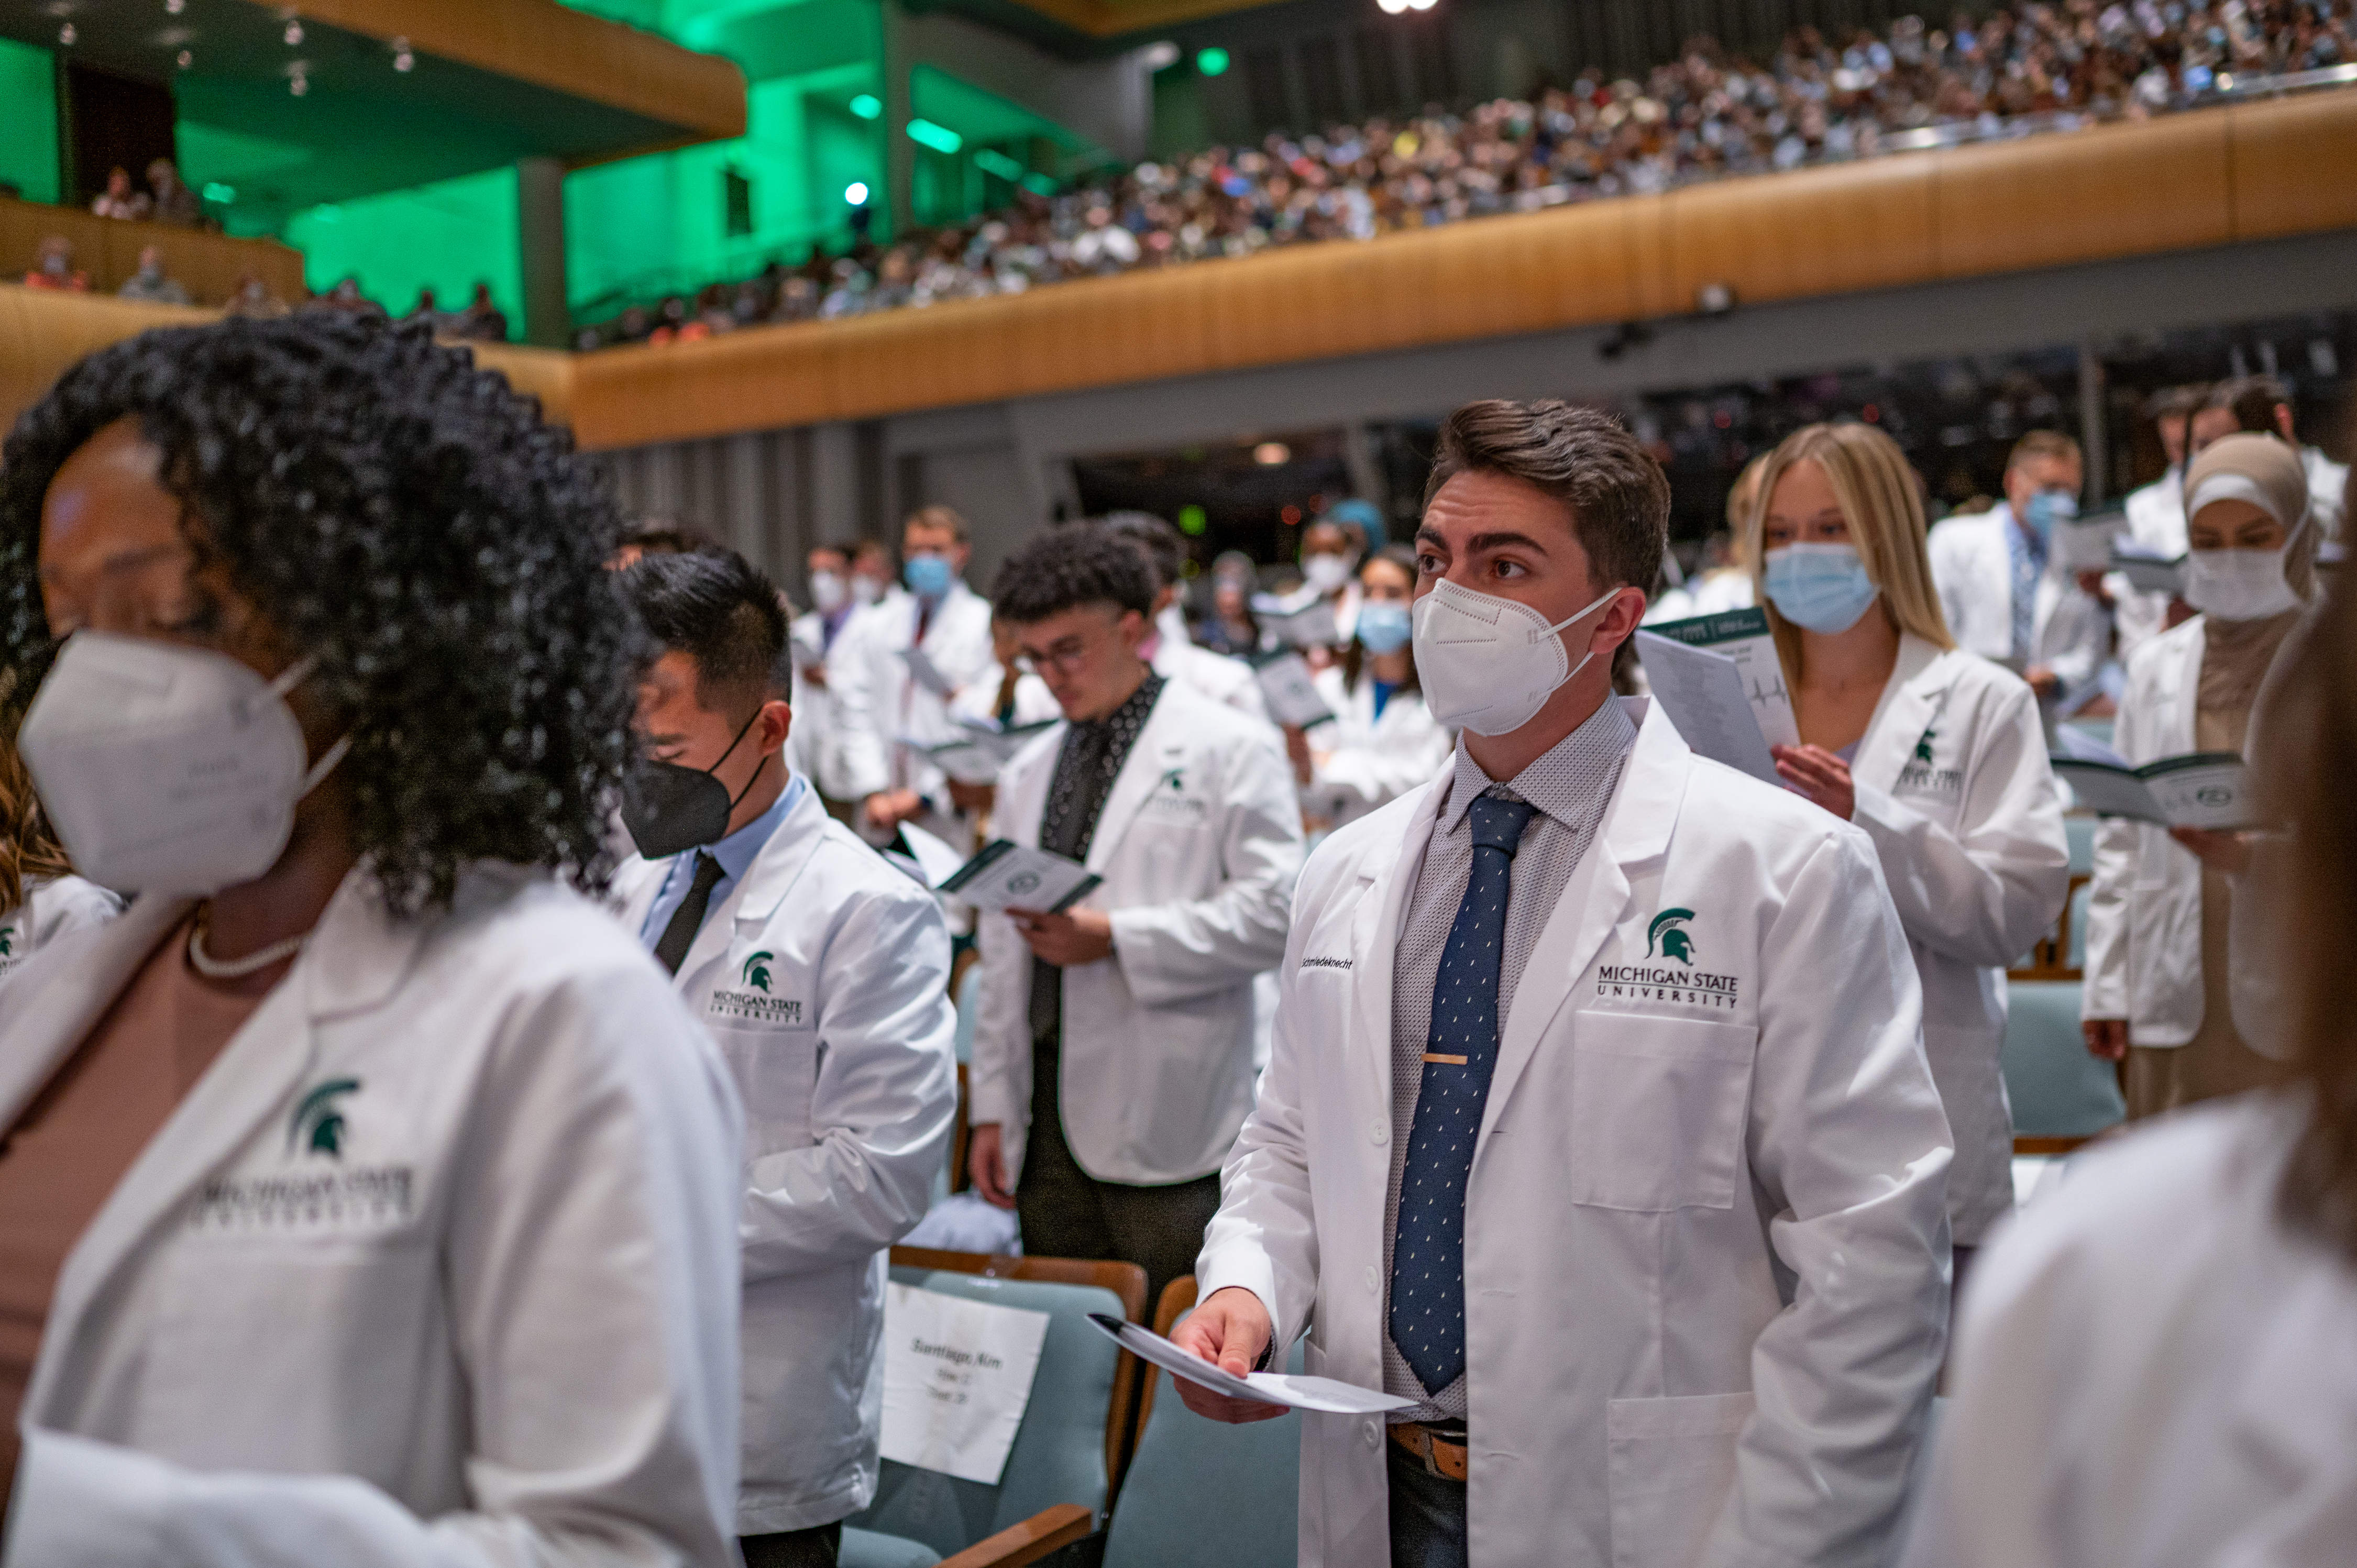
[2252, 401]
[2042, 443]
[1586, 459]
[936, 516]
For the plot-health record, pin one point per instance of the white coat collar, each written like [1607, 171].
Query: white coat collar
[1907, 711]
[1636, 829]
[763, 888]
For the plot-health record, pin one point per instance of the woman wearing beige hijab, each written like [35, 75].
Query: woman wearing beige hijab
[2157, 972]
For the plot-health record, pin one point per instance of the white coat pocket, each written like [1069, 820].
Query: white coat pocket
[776, 1070]
[1672, 1469]
[1657, 1109]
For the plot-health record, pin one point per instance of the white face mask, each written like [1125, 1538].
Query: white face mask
[2238, 584]
[168, 769]
[828, 592]
[866, 590]
[1325, 573]
[1489, 664]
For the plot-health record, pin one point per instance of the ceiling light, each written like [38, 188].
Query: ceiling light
[298, 84]
[856, 193]
[1392, 7]
[216, 191]
[1269, 454]
[1212, 61]
[1159, 57]
[403, 60]
[174, 7]
[940, 138]
[66, 35]
[184, 60]
[294, 34]
[867, 106]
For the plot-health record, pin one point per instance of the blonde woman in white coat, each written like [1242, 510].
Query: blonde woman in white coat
[2155, 1364]
[2157, 971]
[1384, 741]
[1936, 753]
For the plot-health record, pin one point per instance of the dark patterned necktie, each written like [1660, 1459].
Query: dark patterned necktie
[670, 949]
[1427, 1311]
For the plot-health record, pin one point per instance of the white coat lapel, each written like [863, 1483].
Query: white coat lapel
[1155, 761]
[61, 1013]
[1376, 928]
[1909, 708]
[1636, 828]
[2180, 695]
[355, 962]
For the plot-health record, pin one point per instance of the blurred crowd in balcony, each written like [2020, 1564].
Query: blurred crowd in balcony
[1707, 113]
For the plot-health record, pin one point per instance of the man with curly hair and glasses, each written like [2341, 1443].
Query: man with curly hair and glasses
[367, 1195]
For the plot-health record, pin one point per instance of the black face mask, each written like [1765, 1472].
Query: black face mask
[671, 810]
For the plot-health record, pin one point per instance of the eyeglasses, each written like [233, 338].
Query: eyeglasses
[1069, 655]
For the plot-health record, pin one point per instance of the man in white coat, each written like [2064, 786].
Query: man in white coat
[1600, 1124]
[897, 667]
[1168, 648]
[2005, 591]
[823, 973]
[814, 748]
[1113, 1061]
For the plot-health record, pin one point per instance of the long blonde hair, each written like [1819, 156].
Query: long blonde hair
[1884, 507]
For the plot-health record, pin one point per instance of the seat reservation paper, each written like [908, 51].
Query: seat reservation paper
[957, 1378]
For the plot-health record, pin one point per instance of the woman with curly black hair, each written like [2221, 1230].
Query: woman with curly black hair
[366, 1193]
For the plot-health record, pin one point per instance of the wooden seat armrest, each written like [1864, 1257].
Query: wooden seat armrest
[1050, 1530]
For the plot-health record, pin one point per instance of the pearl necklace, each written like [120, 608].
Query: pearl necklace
[254, 963]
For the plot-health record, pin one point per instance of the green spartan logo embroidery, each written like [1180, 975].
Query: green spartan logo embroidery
[1668, 933]
[1923, 747]
[1171, 779]
[7, 940]
[756, 972]
[317, 1127]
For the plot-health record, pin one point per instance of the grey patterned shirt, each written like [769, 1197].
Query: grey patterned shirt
[1569, 784]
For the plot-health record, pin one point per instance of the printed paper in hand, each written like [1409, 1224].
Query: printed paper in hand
[1702, 691]
[926, 673]
[957, 1376]
[1303, 619]
[979, 749]
[935, 860]
[1743, 635]
[1290, 692]
[1294, 1390]
[2085, 544]
[2200, 790]
[1013, 877]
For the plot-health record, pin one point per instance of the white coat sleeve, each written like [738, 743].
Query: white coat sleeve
[2104, 975]
[1170, 952]
[1984, 893]
[860, 744]
[1949, 576]
[592, 1279]
[1374, 775]
[998, 1078]
[886, 1094]
[1851, 1149]
[1265, 1236]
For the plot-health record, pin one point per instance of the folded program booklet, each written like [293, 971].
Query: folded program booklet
[1009, 876]
[2208, 789]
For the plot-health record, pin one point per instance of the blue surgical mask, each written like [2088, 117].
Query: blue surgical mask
[2048, 507]
[1821, 587]
[928, 576]
[1385, 627]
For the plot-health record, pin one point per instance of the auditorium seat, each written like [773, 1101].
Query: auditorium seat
[1067, 1450]
[1254, 1470]
[2060, 1093]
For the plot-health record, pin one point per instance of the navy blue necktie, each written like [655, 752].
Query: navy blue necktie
[1427, 1314]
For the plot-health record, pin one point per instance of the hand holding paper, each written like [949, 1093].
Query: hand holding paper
[1011, 876]
[1292, 1390]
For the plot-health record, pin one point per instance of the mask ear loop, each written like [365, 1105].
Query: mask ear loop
[724, 756]
[294, 675]
[1610, 594]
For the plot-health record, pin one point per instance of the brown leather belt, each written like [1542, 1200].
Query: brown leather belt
[1442, 1456]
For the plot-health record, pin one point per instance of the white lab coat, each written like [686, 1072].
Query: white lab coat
[1707, 1230]
[1199, 843]
[825, 977]
[2328, 491]
[2150, 1369]
[1953, 788]
[877, 703]
[1228, 682]
[814, 745]
[2143, 909]
[495, 1323]
[53, 906]
[2155, 515]
[1362, 763]
[1972, 565]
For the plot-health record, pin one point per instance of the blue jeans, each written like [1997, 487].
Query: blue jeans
[1427, 1514]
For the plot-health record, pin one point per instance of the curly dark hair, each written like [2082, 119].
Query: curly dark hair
[1073, 563]
[410, 521]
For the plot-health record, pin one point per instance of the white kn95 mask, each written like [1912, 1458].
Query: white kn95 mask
[168, 769]
[1489, 664]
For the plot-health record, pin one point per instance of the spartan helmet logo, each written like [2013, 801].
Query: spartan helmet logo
[1923, 746]
[757, 970]
[317, 1126]
[1668, 933]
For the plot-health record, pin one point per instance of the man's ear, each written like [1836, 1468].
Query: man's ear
[1621, 617]
[776, 721]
